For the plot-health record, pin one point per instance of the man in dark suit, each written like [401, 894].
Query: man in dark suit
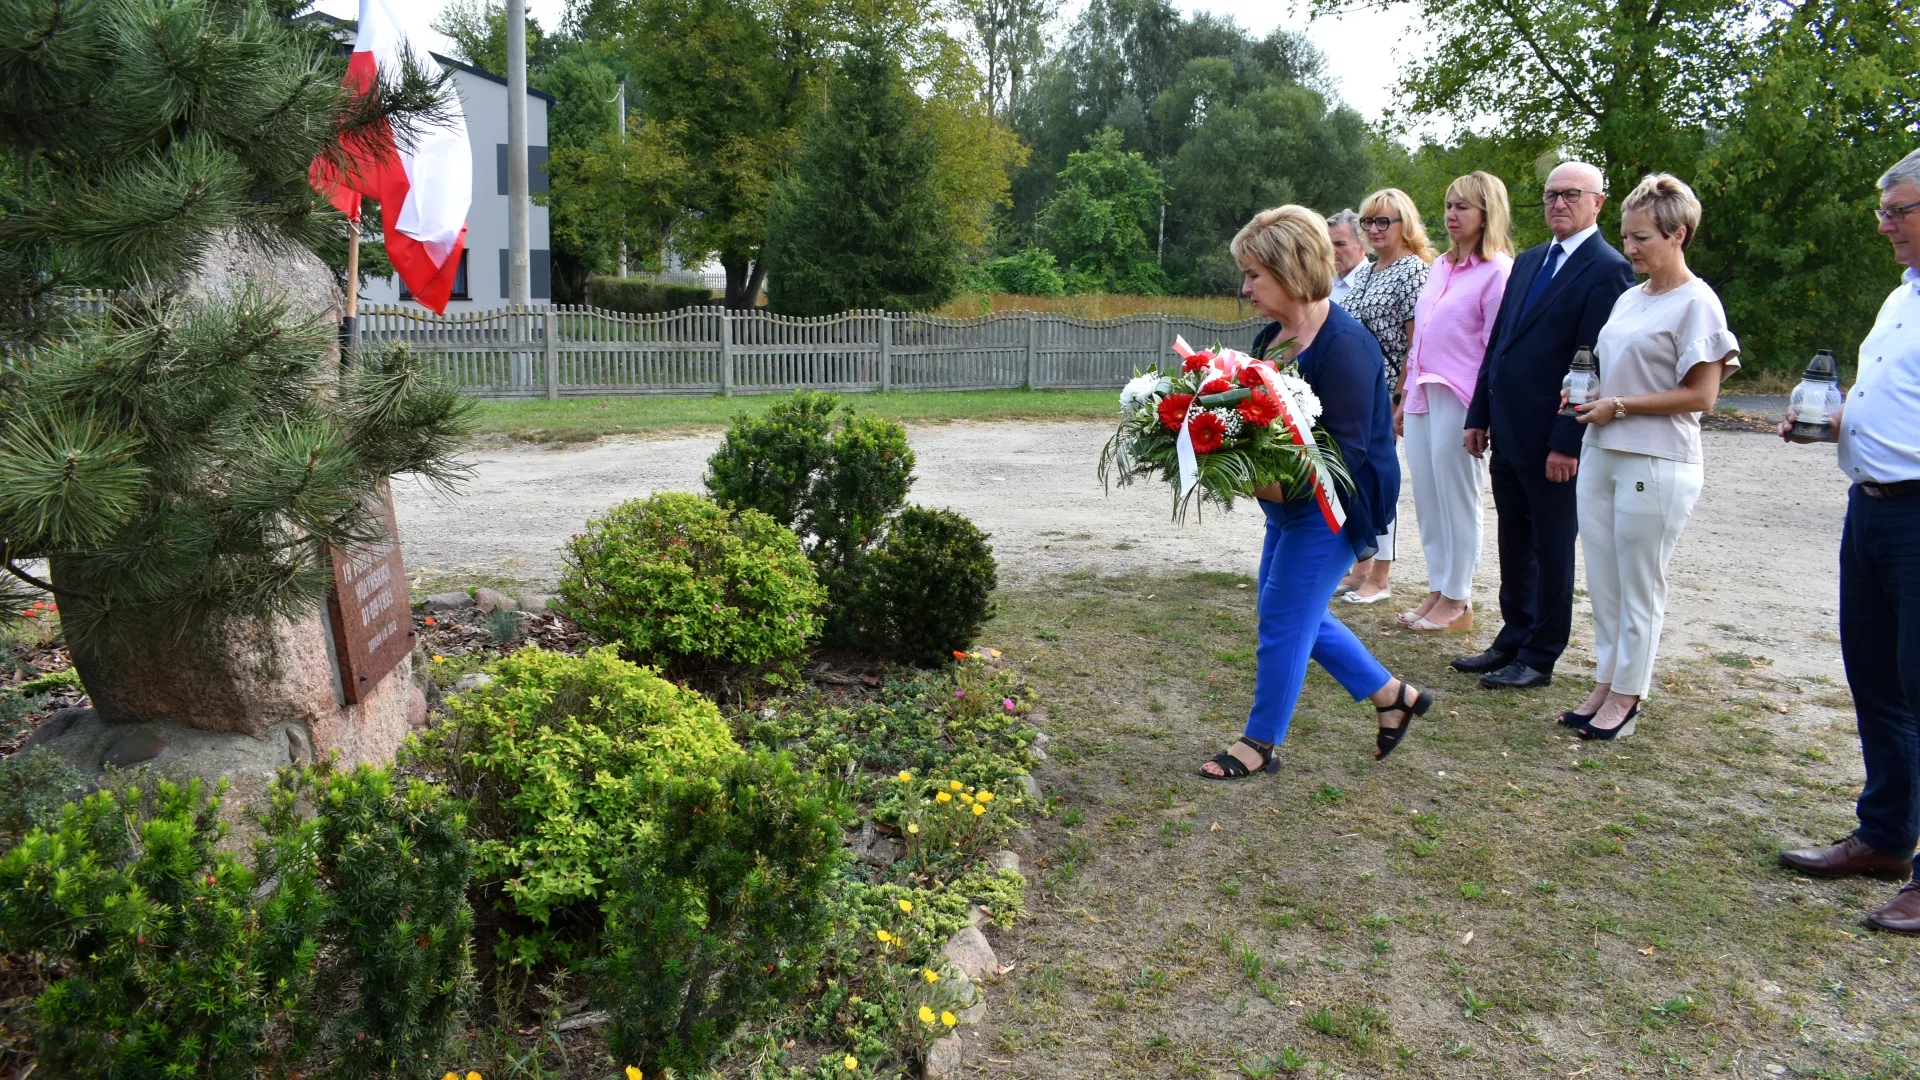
[1557, 298]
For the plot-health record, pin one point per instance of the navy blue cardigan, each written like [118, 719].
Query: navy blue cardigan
[1348, 373]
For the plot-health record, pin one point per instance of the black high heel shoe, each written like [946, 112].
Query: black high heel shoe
[1387, 738]
[1589, 732]
[1575, 719]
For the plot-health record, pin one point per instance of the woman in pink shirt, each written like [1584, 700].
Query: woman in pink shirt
[1451, 324]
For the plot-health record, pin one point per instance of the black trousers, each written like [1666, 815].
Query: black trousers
[1538, 523]
[1880, 642]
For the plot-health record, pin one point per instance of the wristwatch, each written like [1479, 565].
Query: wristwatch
[1619, 408]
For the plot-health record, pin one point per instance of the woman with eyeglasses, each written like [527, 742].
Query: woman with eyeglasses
[1383, 299]
[1452, 323]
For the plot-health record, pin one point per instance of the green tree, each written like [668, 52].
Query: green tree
[861, 224]
[1097, 222]
[1788, 238]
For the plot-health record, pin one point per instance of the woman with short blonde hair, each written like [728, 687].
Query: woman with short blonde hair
[1451, 325]
[1662, 353]
[1383, 299]
[1287, 260]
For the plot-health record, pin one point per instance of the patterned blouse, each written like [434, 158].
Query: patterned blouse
[1383, 299]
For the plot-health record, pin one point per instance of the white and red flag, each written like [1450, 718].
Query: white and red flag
[424, 188]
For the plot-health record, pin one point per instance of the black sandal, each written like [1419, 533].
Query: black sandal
[1232, 768]
[1388, 738]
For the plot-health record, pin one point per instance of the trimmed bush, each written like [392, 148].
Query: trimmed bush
[552, 757]
[723, 911]
[928, 589]
[678, 580]
[830, 474]
[636, 296]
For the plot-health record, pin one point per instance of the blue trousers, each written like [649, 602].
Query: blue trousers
[1301, 564]
[1880, 642]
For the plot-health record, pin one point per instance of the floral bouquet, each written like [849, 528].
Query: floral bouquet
[1224, 425]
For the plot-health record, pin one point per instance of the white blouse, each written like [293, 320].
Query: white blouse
[1647, 347]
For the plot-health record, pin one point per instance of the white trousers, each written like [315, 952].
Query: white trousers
[1632, 509]
[1447, 482]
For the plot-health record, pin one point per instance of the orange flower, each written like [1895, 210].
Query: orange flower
[958, 655]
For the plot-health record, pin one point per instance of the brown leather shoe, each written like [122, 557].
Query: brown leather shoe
[1903, 915]
[1849, 856]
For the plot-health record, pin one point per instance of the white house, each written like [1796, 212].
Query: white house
[482, 280]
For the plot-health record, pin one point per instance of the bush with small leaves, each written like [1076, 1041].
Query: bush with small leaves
[34, 785]
[928, 589]
[723, 911]
[680, 581]
[388, 864]
[552, 757]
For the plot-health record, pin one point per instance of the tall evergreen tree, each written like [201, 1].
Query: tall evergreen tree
[861, 223]
[182, 460]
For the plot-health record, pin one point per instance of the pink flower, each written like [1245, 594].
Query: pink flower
[959, 693]
[1008, 702]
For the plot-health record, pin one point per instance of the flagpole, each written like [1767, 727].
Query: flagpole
[350, 327]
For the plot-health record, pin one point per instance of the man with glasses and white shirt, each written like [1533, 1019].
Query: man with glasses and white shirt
[1879, 451]
[1349, 254]
[1558, 297]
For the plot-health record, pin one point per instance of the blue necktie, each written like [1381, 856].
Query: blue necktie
[1541, 279]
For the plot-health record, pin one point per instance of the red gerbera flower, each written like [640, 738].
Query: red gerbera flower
[1216, 386]
[1197, 361]
[1259, 409]
[1208, 433]
[1173, 409]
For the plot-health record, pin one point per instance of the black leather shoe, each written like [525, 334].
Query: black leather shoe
[1515, 676]
[1491, 660]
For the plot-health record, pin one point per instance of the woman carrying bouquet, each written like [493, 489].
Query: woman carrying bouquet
[1288, 263]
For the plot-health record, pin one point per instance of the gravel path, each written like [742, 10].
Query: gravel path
[1756, 572]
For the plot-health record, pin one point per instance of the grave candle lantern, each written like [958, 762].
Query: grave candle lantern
[1582, 383]
[1817, 399]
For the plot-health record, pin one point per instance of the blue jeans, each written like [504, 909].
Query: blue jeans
[1300, 566]
[1880, 642]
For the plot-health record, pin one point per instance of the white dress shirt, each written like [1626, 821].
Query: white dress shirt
[1879, 435]
[1343, 286]
[1572, 244]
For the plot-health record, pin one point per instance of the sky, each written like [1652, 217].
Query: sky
[1364, 50]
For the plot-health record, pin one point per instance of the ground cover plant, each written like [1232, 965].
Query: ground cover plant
[1497, 900]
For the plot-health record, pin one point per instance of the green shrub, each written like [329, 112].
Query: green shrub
[34, 786]
[834, 483]
[637, 296]
[552, 756]
[159, 954]
[388, 868]
[723, 911]
[927, 590]
[678, 579]
[1032, 272]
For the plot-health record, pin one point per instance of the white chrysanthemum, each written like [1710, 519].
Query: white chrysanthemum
[1140, 391]
[1305, 401]
[1229, 419]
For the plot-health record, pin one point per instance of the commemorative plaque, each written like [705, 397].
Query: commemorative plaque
[367, 607]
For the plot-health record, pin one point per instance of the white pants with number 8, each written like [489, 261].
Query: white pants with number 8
[1632, 510]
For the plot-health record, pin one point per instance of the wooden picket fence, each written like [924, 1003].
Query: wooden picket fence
[565, 351]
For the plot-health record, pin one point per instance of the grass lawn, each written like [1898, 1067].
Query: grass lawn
[1496, 899]
[583, 419]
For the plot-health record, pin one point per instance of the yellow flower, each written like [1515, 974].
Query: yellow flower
[930, 975]
[955, 785]
[913, 829]
[906, 906]
[966, 798]
[438, 659]
[985, 796]
[949, 1019]
[926, 1015]
[941, 796]
[633, 1073]
[905, 776]
[883, 935]
[995, 652]
[450, 1076]
[850, 1062]
[473, 1076]
[978, 809]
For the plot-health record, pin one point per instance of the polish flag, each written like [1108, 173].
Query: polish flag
[425, 189]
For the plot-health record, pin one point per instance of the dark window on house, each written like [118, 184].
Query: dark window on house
[460, 290]
[536, 168]
[539, 276]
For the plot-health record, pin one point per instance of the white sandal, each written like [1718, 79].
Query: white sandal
[1355, 597]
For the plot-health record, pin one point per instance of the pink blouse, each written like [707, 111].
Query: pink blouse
[1451, 324]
